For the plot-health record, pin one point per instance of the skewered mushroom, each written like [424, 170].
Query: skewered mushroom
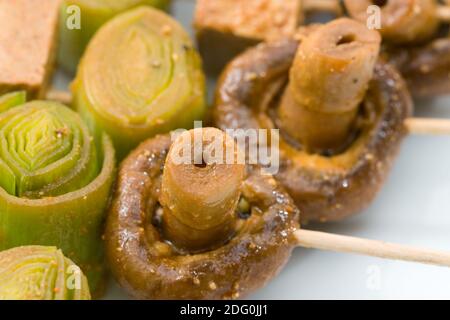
[259, 76]
[402, 21]
[188, 231]
[425, 68]
[341, 115]
[207, 228]
[415, 40]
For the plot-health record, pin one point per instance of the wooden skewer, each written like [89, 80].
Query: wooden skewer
[428, 126]
[443, 12]
[332, 6]
[337, 243]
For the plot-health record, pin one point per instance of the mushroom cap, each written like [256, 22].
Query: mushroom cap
[425, 68]
[148, 267]
[401, 21]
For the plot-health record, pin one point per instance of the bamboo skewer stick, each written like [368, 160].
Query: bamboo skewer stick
[428, 126]
[338, 243]
[443, 12]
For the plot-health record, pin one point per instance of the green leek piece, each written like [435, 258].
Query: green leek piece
[80, 19]
[140, 76]
[12, 99]
[40, 273]
[45, 150]
[55, 181]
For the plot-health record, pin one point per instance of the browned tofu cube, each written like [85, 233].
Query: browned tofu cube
[227, 27]
[28, 30]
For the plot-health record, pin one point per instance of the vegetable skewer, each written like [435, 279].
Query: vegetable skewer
[171, 235]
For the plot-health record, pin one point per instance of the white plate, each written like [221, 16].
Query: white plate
[413, 208]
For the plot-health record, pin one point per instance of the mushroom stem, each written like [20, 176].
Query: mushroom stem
[332, 6]
[201, 186]
[373, 248]
[428, 126]
[443, 12]
[328, 80]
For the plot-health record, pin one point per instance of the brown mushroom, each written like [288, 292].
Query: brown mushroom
[402, 21]
[244, 251]
[331, 184]
[196, 230]
[328, 80]
[416, 41]
[425, 68]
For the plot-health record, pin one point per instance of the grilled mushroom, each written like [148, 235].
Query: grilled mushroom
[200, 229]
[416, 41]
[340, 114]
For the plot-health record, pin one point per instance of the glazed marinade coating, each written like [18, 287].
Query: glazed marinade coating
[54, 182]
[247, 245]
[92, 14]
[328, 80]
[140, 76]
[329, 186]
[40, 273]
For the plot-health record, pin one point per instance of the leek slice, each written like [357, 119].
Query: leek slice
[12, 99]
[91, 15]
[140, 76]
[55, 182]
[40, 273]
[45, 150]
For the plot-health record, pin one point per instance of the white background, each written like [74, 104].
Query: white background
[413, 208]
